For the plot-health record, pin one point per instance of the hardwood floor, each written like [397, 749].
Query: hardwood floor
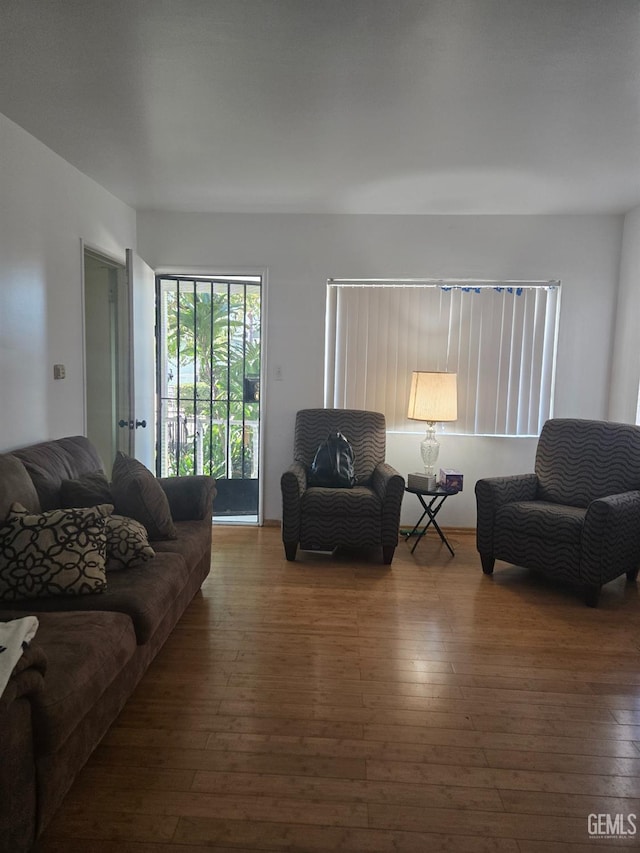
[336, 704]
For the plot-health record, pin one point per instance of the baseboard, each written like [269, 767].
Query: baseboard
[454, 531]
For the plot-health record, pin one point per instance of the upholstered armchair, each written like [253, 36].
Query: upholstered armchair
[368, 515]
[577, 518]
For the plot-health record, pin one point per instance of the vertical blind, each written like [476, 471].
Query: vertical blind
[500, 338]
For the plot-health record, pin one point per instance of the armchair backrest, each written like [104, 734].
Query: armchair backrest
[366, 432]
[578, 461]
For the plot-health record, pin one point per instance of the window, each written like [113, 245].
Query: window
[499, 337]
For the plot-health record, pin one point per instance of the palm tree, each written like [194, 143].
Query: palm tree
[215, 335]
[205, 329]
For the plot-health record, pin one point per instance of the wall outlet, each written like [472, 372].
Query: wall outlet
[277, 373]
[59, 371]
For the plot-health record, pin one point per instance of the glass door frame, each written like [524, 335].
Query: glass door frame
[211, 273]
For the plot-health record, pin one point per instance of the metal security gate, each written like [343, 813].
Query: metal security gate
[209, 360]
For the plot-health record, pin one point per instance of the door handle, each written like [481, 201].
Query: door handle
[122, 423]
[141, 424]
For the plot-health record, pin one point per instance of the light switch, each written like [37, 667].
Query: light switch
[58, 371]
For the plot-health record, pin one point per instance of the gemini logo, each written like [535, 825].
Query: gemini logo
[611, 825]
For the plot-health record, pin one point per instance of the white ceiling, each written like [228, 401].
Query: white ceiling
[352, 106]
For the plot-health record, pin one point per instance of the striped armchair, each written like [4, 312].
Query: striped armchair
[577, 517]
[367, 515]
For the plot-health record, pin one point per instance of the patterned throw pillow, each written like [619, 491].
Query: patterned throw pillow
[127, 543]
[137, 494]
[59, 552]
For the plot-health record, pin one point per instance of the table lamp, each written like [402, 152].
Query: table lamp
[433, 398]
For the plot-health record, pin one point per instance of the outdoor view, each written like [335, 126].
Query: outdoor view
[209, 384]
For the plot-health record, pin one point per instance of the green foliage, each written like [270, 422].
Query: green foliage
[217, 334]
[209, 330]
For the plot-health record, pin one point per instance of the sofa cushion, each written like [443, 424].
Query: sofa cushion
[61, 552]
[85, 652]
[194, 538]
[137, 494]
[51, 462]
[17, 485]
[127, 543]
[143, 592]
[89, 490]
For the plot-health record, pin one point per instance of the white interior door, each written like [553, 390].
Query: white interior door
[106, 355]
[142, 290]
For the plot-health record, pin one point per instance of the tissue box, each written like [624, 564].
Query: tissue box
[421, 481]
[450, 480]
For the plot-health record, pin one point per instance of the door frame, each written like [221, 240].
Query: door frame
[142, 361]
[120, 265]
[221, 272]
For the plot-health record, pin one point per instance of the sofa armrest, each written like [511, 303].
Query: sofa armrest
[32, 657]
[494, 492]
[389, 486]
[18, 786]
[610, 543]
[27, 678]
[293, 484]
[190, 498]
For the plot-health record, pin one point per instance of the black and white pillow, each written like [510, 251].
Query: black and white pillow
[127, 543]
[59, 552]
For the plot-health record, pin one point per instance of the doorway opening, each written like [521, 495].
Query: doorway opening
[209, 363]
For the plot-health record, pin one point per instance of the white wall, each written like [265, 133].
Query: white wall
[46, 206]
[302, 251]
[625, 371]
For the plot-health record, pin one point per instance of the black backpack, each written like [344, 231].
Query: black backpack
[332, 465]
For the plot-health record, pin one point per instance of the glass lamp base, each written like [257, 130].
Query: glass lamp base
[429, 450]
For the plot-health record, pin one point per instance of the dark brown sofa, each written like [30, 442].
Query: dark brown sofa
[90, 651]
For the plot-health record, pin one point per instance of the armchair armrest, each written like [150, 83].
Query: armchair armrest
[497, 491]
[293, 484]
[610, 538]
[389, 486]
[190, 498]
[494, 492]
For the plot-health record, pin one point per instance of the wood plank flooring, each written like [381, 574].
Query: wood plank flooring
[336, 704]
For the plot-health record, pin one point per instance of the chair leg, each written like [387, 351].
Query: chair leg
[488, 563]
[290, 549]
[632, 575]
[591, 595]
[387, 554]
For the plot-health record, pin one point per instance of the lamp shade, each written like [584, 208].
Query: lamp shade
[433, 397]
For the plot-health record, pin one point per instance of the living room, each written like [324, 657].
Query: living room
[49, 204]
